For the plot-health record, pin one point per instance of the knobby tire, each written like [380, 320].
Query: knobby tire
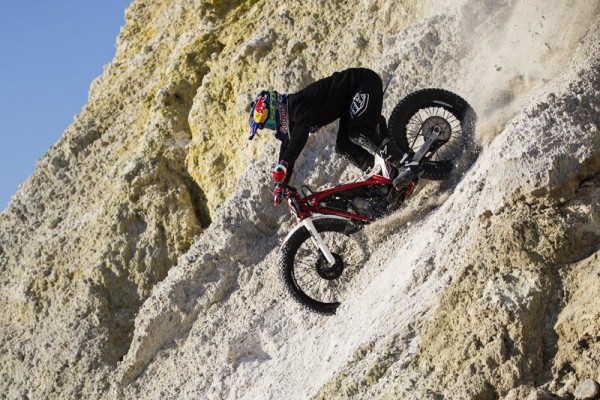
[293, 264]
[403, 127]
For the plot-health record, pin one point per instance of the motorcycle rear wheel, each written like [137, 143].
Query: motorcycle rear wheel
[439, 106]
[307, 275]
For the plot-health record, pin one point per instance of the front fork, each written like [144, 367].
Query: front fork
[318, 240]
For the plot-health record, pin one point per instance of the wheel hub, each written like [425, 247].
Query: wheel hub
[438, 125]
[327, 271]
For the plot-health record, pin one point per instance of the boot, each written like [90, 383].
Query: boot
[390, 152]
[367, 166]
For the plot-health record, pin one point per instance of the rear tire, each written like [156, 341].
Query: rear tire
[409, 115]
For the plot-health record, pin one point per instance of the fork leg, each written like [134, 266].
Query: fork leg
[318, 240]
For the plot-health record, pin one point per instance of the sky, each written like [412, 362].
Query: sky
[50, 52]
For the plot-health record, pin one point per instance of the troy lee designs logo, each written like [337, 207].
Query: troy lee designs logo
[360, 102]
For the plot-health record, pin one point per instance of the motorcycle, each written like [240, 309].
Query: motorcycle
[322, 253]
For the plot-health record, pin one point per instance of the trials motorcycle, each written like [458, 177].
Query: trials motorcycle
[319, 257]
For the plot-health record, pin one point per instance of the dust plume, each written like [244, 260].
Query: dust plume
[514, 49]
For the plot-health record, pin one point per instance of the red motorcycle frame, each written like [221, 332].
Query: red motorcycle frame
[304, 207]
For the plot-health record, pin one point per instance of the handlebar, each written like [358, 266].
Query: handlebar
[283, 191]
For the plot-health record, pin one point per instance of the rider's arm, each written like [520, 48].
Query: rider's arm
[290, 149]
[290, 165]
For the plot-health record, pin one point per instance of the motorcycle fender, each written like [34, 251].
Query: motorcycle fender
[300, 226]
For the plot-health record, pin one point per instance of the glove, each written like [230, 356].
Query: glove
[278, 194]
[280, 171]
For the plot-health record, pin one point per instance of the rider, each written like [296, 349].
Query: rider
[354, 96]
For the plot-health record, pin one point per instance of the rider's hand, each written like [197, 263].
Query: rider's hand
[278, 194]
[280, 171]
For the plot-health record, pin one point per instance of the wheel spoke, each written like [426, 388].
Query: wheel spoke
[415, 134]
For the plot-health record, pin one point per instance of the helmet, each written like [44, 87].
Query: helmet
[267, 111]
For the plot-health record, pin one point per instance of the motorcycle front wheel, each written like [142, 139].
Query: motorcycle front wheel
[309, 278]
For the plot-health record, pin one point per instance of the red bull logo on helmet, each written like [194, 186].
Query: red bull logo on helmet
[261, 111]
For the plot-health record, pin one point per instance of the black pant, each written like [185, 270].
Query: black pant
[358, 134]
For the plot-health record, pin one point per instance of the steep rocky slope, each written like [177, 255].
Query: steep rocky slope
[140, 259]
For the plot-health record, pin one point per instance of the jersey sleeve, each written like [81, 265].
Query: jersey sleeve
[290, 149]
[290, 167]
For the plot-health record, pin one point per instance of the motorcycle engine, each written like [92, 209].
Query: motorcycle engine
[374, 203]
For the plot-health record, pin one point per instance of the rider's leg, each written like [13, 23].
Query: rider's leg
[354, 153]
[365, 113]
[361, 127]
[364, 127]
[387, 149]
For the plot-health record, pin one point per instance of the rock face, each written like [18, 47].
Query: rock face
[140, 260]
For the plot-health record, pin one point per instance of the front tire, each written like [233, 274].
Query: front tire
[307, 275]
